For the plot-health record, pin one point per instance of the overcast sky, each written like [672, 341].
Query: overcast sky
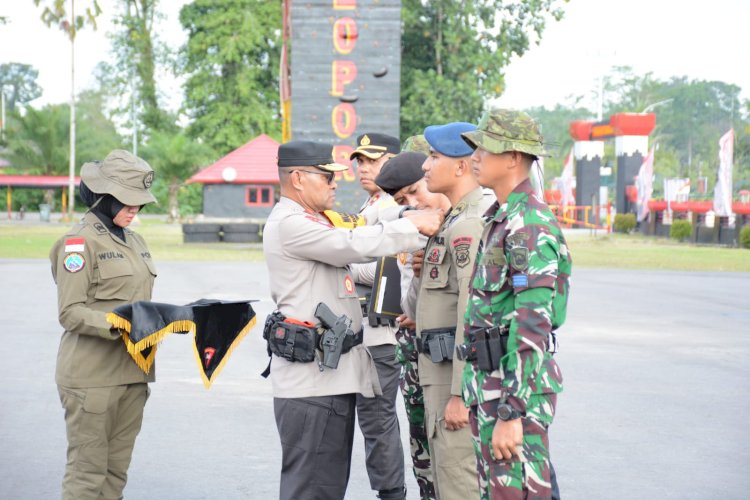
[705, 40]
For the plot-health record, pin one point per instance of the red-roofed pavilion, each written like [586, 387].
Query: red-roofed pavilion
[244, 183]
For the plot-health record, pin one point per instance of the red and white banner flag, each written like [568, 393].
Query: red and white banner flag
[723, 188]
[645, 184]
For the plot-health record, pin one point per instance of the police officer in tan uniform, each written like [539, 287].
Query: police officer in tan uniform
[308, 260]
[99, 265]
[441, 303]
[378, 421]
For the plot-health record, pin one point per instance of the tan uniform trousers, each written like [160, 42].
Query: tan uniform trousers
[101, 423]
[454, 466]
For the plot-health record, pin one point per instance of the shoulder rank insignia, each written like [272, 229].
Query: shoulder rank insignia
[348, 221]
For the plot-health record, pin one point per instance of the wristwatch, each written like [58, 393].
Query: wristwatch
[506, 412]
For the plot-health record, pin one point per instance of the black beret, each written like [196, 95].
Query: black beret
[400, 171]
[374, 145]
[308, 153]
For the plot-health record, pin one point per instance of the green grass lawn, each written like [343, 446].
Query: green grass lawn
[641, 252]
[610, 251]
[164, 241]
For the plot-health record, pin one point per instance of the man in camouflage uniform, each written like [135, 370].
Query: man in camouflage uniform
[517, 300]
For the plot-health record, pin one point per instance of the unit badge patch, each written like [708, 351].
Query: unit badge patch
[434, 256]
[74, 262]
[519, 258]
[461, 249]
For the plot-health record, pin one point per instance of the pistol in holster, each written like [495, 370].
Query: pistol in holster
[336, 330]
[438, 343]
[486, 346]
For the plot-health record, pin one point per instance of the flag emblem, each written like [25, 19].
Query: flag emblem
[74, 244]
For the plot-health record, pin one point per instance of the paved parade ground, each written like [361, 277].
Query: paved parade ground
[656, 405]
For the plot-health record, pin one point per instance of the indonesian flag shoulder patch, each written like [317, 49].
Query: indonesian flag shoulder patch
[75, 244]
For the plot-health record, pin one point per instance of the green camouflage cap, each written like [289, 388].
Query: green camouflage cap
[502, 130]
[123, 175]
[417, 144]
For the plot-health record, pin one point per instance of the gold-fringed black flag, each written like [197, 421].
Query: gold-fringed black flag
[217, 327]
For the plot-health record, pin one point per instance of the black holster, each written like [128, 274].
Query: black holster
[438, 343]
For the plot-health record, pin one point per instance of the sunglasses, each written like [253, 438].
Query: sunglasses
[328, 175]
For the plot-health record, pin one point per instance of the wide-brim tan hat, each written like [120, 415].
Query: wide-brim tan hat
[123, 175]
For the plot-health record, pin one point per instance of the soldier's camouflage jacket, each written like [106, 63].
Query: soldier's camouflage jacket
[521, 279]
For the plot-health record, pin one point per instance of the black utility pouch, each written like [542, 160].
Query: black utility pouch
[495, 348]
[441, 347]
[292, 342]
[484, 357]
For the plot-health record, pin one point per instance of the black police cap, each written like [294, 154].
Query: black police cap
[400, 171]
[308, 153]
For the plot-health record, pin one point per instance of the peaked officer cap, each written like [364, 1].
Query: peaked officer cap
[374, 145]
[308, 154]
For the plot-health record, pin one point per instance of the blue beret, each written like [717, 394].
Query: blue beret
[446, 139]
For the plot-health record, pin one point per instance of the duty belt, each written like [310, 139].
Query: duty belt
[486, 339]
[486, 345]
[438, 343]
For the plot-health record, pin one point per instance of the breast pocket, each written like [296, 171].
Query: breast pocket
[489, 277]
[436, 268]
[116, 280]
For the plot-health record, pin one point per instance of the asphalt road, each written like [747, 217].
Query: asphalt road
[656, 368]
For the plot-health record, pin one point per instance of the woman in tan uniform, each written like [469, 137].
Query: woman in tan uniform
[98, 265]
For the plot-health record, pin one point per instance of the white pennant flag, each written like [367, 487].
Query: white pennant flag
[537, 177]
[723, 189]
[645, 184]
[566, 181]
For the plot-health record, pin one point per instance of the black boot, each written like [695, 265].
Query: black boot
[393, 494]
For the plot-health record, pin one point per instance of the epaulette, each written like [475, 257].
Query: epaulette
[347, 221]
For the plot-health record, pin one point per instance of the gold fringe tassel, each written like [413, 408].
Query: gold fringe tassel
[136, 349]
[144, 363]
[208, 381]
[118, 322]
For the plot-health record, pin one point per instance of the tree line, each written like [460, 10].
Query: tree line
[230, 67]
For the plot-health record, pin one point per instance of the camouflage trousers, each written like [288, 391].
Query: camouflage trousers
[527, 478]
[406, 354]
